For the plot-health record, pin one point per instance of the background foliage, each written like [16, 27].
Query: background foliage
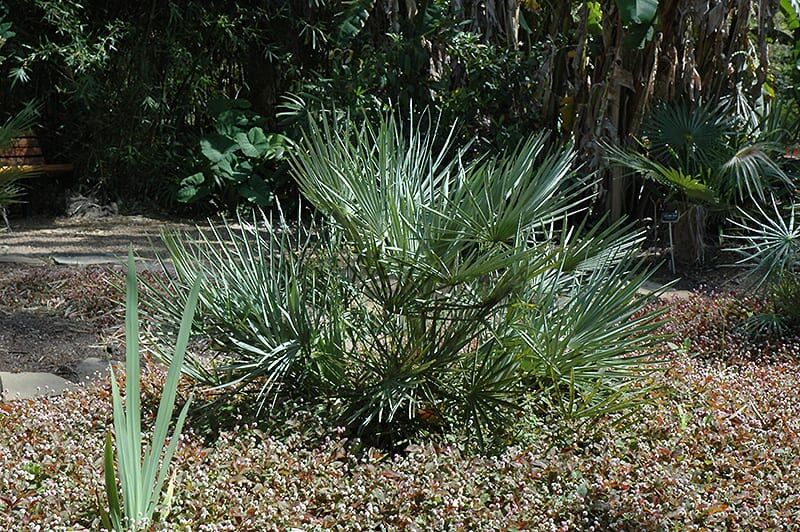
[127, 86]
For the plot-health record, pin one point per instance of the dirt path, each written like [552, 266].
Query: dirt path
[53, 316]
[44, 238]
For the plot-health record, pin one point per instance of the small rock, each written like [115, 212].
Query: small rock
[13, 258]
[28, 385]
[85, 260]
[675, 295]
[92, 368]
[669, 294]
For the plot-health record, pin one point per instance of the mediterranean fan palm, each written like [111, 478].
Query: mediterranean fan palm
[437, 290]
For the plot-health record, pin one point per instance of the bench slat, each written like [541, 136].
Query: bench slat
[44, 168]
[26, 153]
[21, 161]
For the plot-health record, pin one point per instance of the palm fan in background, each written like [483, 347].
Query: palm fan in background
[691, 137]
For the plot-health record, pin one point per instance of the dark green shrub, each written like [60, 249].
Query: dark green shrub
[238, 154]
[125, 85]
[785, 297]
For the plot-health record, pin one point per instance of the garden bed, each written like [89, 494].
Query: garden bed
[716, 447]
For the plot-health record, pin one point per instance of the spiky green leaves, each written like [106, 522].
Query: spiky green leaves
[768, 242]
[708, 154]
[142, 476]
[409, 307]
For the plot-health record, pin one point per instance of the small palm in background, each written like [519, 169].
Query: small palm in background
[768, 240]
[713, 158]
[16, 126]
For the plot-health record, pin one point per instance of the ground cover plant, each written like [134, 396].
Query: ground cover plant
[436, 292]
[715, 447]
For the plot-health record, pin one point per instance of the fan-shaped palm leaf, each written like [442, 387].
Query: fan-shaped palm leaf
[690, 137]
[694, 188]
[752, 169]
[769, 243]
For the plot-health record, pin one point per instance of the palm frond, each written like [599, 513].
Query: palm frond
[693, 187]
[753, 168]
[18, 124]
[770, 243]
[597, 341]
[765, 324]
[692, 137]
[263, 300]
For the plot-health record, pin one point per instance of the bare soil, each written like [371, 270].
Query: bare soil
[36, 341]
[52, 317]
[41, 238]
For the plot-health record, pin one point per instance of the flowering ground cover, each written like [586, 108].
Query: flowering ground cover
[716, 447]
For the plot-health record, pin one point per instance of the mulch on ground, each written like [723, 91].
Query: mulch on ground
[35, 341]
[52, 317]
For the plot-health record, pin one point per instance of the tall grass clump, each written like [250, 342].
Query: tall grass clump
[433, 291]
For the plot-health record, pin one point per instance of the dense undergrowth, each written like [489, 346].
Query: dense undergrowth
[129, 111]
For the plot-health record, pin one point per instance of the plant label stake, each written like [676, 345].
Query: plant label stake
[670, 217]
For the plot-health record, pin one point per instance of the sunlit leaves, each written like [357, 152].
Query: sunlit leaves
[768, 241]
[409, 297]
[142, 470]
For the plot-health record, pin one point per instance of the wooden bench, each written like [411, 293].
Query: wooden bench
[26, 154]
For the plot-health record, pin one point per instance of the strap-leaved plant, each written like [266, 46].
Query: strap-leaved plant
[141, 477]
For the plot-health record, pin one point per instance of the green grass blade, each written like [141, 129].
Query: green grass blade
[168, 454]
[114, 510]
[165, 408]
[133, 442]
